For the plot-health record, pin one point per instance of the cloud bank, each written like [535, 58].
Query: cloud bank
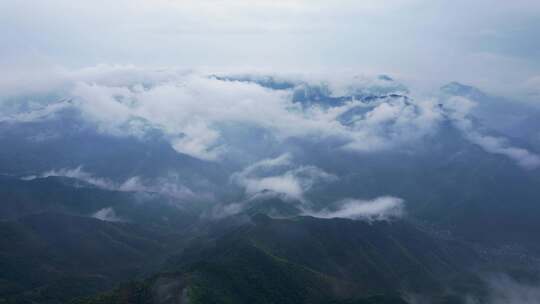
[459, 109]
[380, 208]
[282, 176]
[193, 110]
[163, 186]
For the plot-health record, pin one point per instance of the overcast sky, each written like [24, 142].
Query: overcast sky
[494, 44]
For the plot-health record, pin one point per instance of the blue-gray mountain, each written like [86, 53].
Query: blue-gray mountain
[334, 193]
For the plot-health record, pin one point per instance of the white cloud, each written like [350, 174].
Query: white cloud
[282, 176]
[393, 122]
[380, 208]
[498, 145]
[502, 289]
[80, 174]
[505, 290]
[107, 214]
[200, 141]
[187, 110]
[459, 109]
[190, 108]
[35, 113]
[168, 186]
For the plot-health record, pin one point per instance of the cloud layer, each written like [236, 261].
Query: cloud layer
[191, 109]
[194, 110]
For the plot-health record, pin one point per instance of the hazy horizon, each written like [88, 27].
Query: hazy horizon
[425, 44]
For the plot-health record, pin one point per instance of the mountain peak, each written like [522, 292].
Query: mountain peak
[459, 89]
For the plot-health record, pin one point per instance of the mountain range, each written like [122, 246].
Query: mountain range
[331, 192]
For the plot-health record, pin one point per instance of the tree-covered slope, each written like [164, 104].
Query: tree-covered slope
[309, 260]
[51, 257]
